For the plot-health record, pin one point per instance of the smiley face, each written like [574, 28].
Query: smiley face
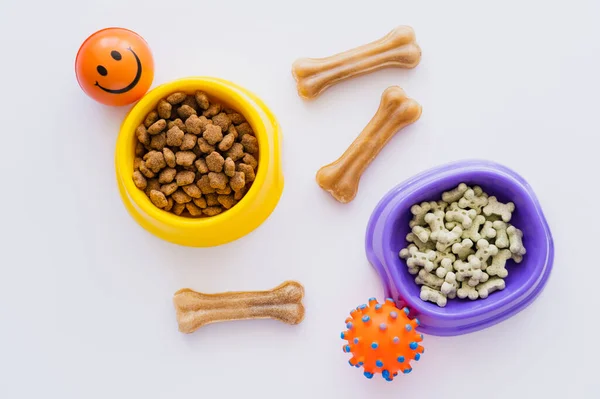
[115, 66]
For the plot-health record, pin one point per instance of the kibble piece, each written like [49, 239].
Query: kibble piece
[142, 135]
[185, 158]
[139, 180]
[243, 129]
[185, 177]
[212, 134]
[175, 136]
[213, 110]
[238, 181]
[179, 123]
[202, 100]
[200, 202]
[227, 142]
[236, 118]
[169, 188]
[164, 109]
[212, 199]
[157, 127]
[145, 171]
[167, 175]
[178, 209]
[159, 141]
[250, 160]
[204, 146]
[193, 209]
[176, 98]
[153, 184]
[204, 185]
[181, 197]
[250, 144]
[248, 172]
[169, 157]
[236, 151]
[218, 180]
[169, 204]
[158, 198]
[189, 142]
[201, 166]
[185, 111]
[212, 210]
[239, 194]
[229, 167]
[139, 149]
[155, 161]
[215, 162]
[222, 120]
[136, 163]
[192, 190]
[194, 124]
[233, 130]
[151, 118]
[226, 200]
[191, 102]
[225, 191]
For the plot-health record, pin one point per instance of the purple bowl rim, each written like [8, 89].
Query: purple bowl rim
[425, 178]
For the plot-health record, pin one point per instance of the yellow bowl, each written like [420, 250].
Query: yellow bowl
[252, 210]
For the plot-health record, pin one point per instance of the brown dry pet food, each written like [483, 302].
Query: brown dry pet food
[167, 175]
[178, 208]
[229, 167]
[227, 142]
[164, 109]
[185, 111]
[189, 141]
[202, 100]
[213, 110]
[212, 199]
[212, 210]
[158, 198]
[194, 158]
[151, 118]
[248, 172]
[175, 136]
[169, 157]
[250, 144]
[169, 188]
[142, 135]
[236, 118]
[185, 177]
[139, 180]
[201, 166]
[192, 190]
[222, 120]
[159, 141]
[176, 98]
[212, 134]
[250, 160]
[200, 202]
[215, 162]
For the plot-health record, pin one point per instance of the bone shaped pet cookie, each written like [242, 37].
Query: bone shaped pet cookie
[493, 284]
[462, 216]
[455, 194]
[397, 49]
[498, 266]
[498, 208]
[419, 212]
[470, 200]
[341, 177]
[416, 258]
[195, 309]
[431, 295]
[515, 237]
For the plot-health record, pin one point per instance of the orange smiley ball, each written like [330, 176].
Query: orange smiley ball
[114, 66]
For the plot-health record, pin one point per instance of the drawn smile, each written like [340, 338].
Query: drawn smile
[130, 86]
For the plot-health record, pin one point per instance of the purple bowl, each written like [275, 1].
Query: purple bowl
[388, 228]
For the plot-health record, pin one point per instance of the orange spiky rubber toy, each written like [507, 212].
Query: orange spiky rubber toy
[382, 339]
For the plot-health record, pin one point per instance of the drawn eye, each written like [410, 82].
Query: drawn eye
[101, 70]
[116, 55]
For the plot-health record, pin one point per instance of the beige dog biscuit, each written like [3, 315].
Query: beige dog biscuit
[462, 216]
[431, 295]
[447, 238]
[466, 291]
[195, 309]
[473, 231]
[435, 221]
[498, 266]
[450, 285]
[341, 177]
[421, 233]
[485, 250]
[455, 194]
[419, 212]
[463, 249]
[488, 231]
[501, 235]
[493, 284]
[515, 238]
[415, 258]
[470, 271]
[497, 208]
[429, 279]
[471, 200]
[396, 49]
[423, 246]
[446, 266]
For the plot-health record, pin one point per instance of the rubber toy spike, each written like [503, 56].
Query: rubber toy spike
[382, 339]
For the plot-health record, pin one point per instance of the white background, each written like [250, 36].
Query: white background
[85, 293]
